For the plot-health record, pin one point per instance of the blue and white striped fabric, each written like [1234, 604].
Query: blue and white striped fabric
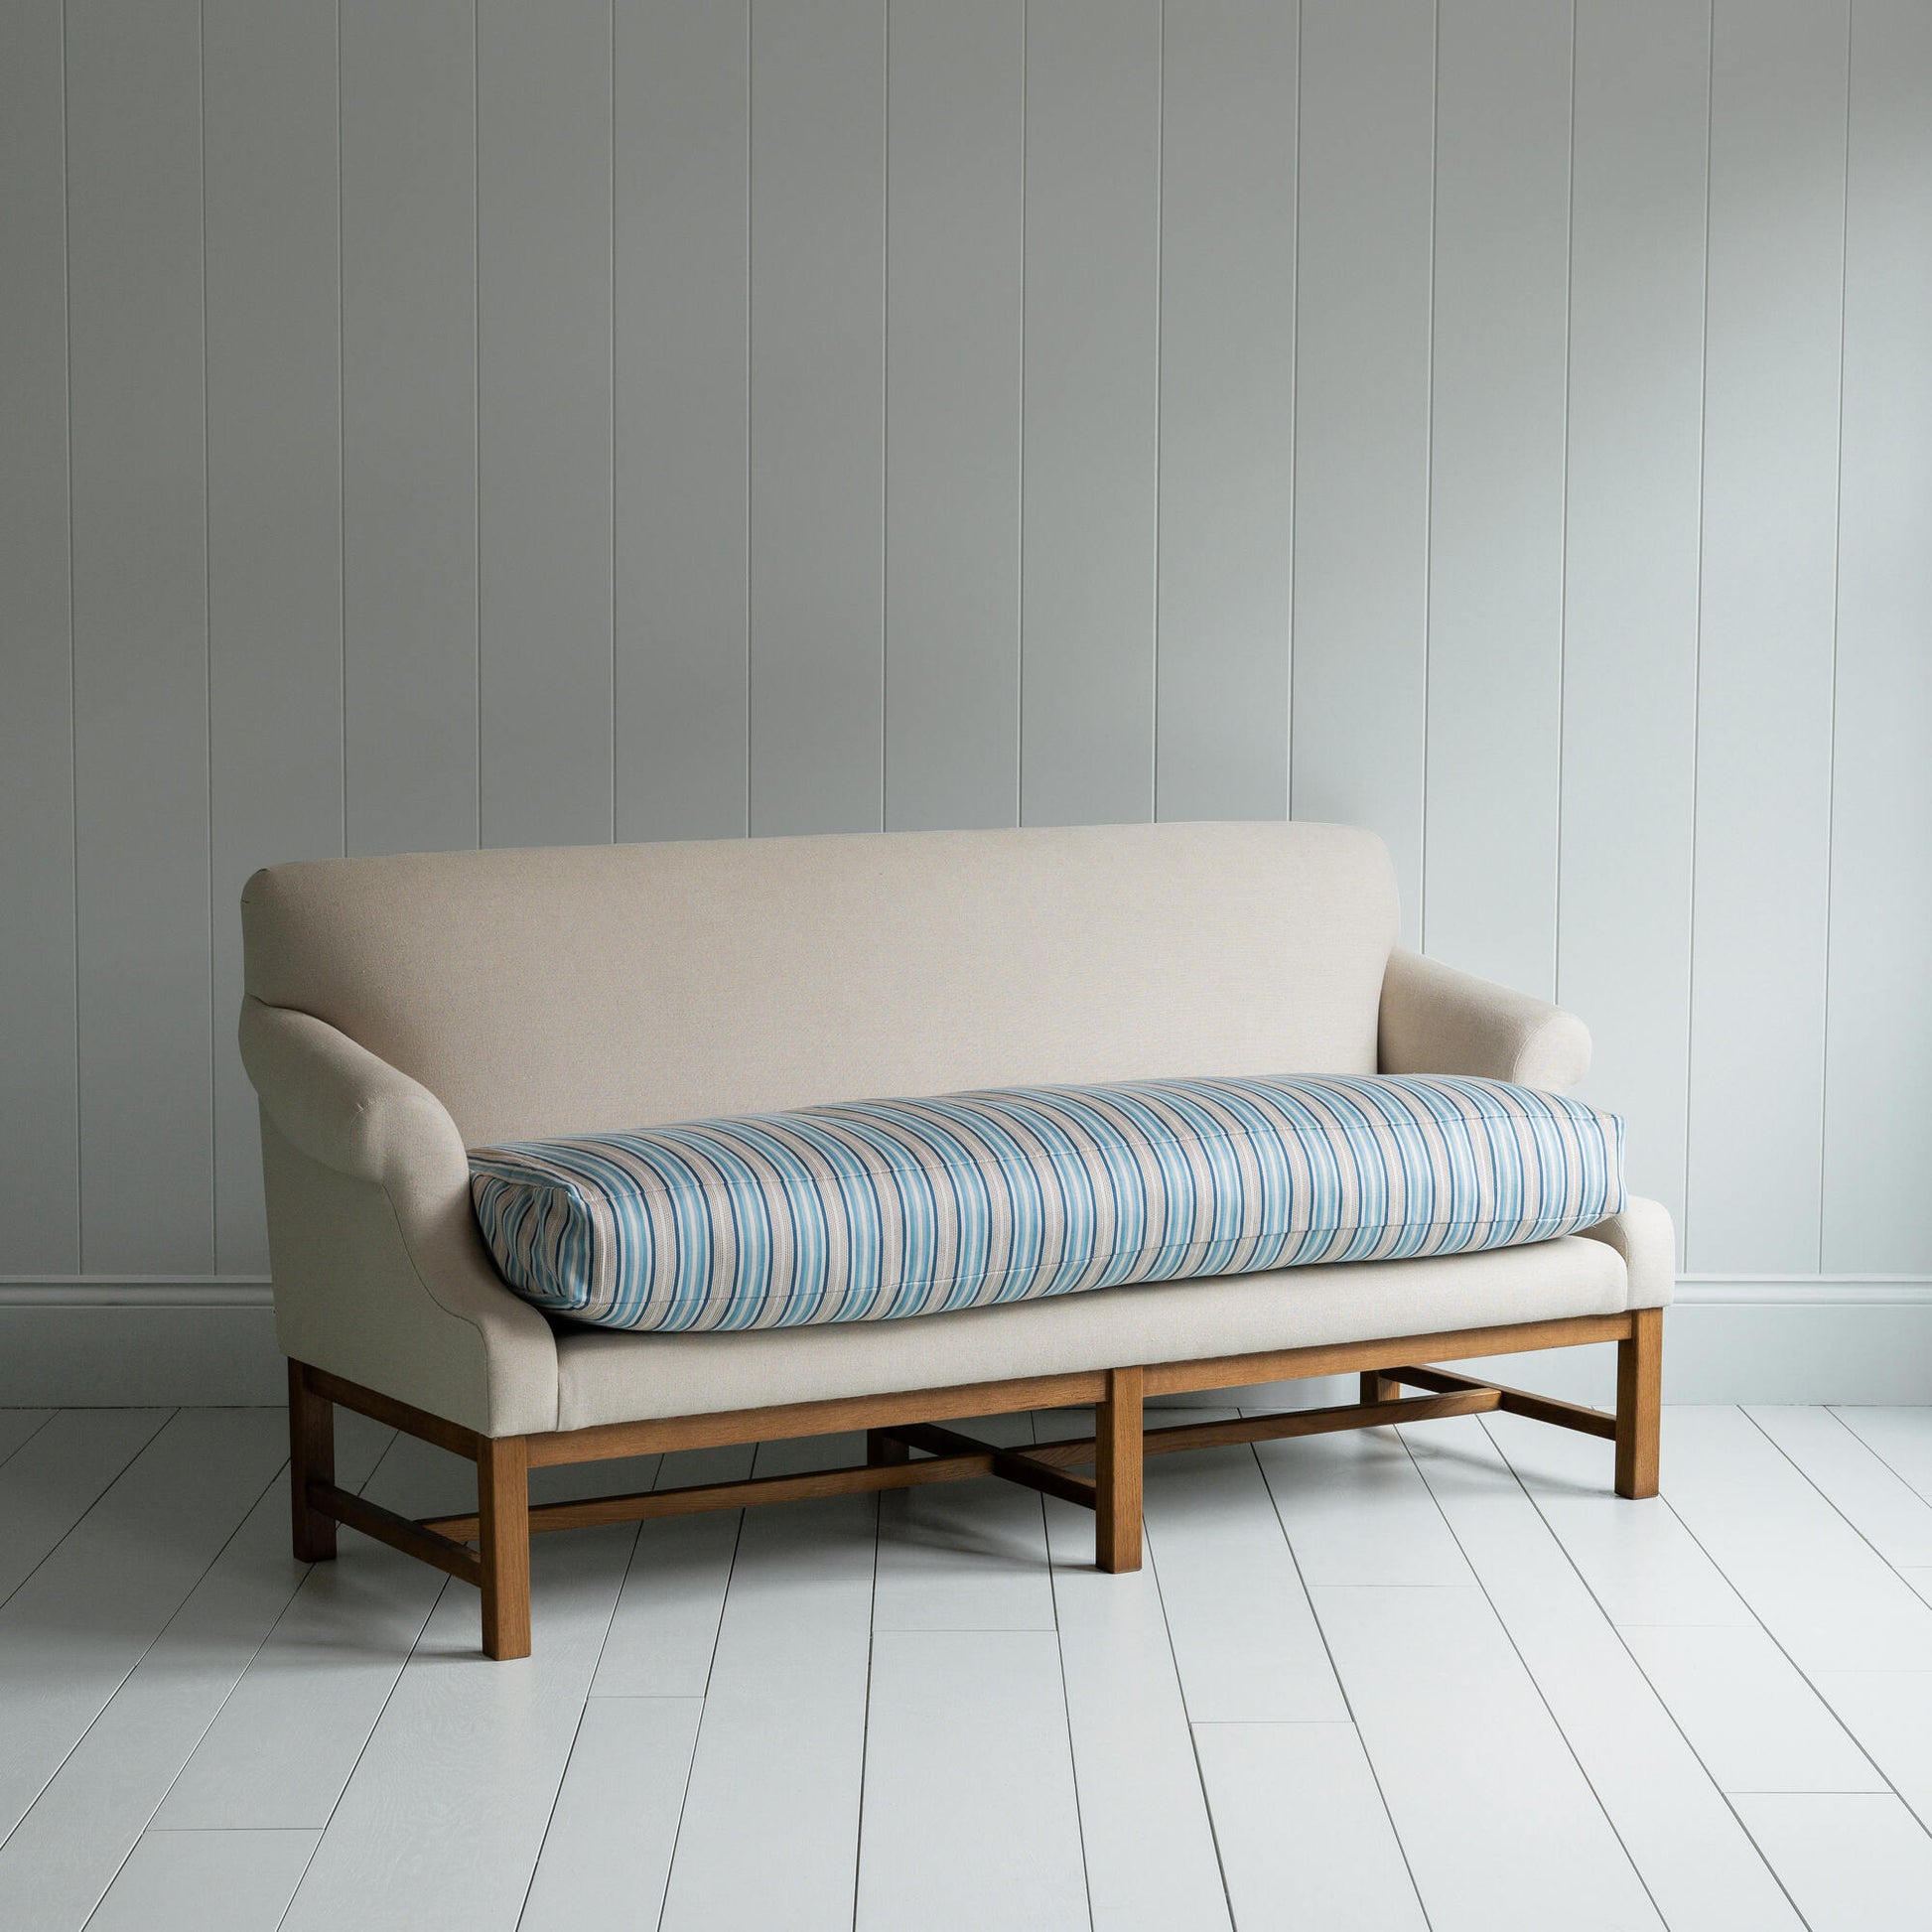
[880, 1209]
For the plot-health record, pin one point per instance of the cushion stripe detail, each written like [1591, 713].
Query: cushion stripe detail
[875, 1209]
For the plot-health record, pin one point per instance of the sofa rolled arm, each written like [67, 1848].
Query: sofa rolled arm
[340, 1104]
[1437, 1020]
[381, 1274]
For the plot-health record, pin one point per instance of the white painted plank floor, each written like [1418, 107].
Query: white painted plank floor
[1419, 1680]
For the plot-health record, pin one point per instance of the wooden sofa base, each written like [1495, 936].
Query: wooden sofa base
[898, 1423]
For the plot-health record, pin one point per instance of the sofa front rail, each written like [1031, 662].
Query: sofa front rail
[896, 1424]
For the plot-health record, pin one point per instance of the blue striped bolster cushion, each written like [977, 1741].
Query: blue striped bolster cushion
[892, 1207]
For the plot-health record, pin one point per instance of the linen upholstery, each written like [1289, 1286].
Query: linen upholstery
[403, 1009]
[892, 1209]
[1643, 1236]
[1437, 1020]
[609, 1375]
[598, 988]
[381, 1274]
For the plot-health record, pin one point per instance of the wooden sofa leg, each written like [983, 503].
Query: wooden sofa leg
[312, 1458]
[1117, 1472]
[503, 1526]
[1376, 1387]
[884, 1451]
[1639, 1403]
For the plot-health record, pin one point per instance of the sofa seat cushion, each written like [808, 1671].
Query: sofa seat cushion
[886, 1208]
[605, 1375]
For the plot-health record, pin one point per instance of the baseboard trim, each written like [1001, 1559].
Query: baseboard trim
[101, 1341]
[135, 1290]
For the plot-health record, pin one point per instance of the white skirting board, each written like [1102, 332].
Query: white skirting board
[108, 1342]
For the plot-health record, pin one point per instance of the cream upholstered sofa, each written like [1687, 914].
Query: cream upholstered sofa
[400, 1011]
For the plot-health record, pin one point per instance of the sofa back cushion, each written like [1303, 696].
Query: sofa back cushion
[881, 1209]
[587, 988]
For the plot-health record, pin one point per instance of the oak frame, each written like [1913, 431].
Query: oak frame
[900, 1422]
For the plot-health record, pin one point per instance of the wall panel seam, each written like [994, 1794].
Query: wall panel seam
[1294, 420]
[750, 137]
[475, 344]
[611, 14]
[341, 428]
[208, 663]
[1428, 464]
[74, 708]
[1697, 647]
[1563, 519]
[1831, 732]
[1020, 494]
[884, 394]
[1160, 421]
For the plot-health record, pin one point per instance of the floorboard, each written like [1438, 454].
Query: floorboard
[607, 1855]
[970, 1818]
[71, 1633]
[18, 1425]
[666, 1625]
[1685, 1840]
[1357, 1512]
[56, 1475]
[1889, 1712]
[445, 1813]
[1818, 1586]
[1877, 1502]
[1852, 1864]
[780, 1753]
[1304, 1837]
[1503, 1830]
[1902, 1438]
[1424, 1680]
[1642, 1566]
[92, 1812]
[1754, 1720]
[1144, 1819]
[965, 1556]
[1244, 1636]
[206, 1882]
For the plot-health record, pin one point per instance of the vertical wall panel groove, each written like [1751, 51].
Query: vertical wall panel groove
[690, 416]
[275, 618]
[1878, 1069]
[1092, 313]
[140, 634]
[818, 218]
[1767, 615]
[39, 1178]
[953, 246]
[1361, 427]
[1495, 484]
[409, 423]
[1630, 591]
[544, 423]
[683, 107]
[1227, 336]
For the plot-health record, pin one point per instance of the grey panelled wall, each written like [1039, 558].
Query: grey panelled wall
[1506, 427]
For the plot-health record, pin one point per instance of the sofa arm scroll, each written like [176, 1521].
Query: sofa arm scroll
[1437, 1020]
[381, 1274]
[340, 1104]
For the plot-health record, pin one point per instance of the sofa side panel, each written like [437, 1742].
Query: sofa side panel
[353, 1265]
